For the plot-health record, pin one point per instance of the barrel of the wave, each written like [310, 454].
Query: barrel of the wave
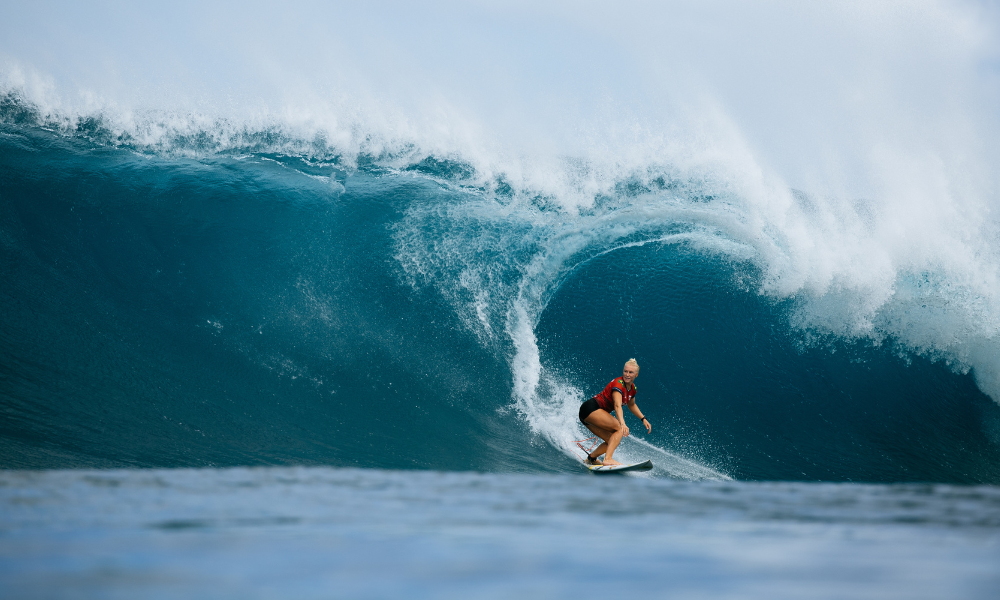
[596, 415]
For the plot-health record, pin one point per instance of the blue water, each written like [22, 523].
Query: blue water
[262, 309]
[315, 318]
[269, 309]
[372, 533]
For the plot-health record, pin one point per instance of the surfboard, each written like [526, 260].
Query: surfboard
[642, 466]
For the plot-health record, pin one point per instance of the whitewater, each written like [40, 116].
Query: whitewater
[263, 266]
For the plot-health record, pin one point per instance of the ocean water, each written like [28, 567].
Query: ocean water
[324, 532]
[314, 318]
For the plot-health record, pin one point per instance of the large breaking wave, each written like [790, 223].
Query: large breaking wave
[393, 275]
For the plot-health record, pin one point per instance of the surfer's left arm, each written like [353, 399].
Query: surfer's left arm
[638, 413]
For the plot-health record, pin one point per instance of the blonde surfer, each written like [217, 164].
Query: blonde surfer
[596, 414]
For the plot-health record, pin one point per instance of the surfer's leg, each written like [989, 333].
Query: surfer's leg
[604, 434]
[608, 429]
[612, 446]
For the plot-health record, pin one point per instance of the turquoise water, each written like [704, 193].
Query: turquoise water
[219, 312]
[242, 310]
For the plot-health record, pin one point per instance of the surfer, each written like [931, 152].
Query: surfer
[596, 415]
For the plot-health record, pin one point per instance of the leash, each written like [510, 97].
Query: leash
[580, 444]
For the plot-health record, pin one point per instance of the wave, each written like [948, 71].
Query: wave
[473, 223]
[246, 309]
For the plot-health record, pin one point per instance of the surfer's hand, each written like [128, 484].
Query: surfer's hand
[648, 426]
[624, 431]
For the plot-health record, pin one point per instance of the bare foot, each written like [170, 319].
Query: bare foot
[610, 462]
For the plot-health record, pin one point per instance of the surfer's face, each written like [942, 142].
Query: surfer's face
[630, 373]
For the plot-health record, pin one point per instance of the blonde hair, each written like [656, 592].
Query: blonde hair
[632, 362]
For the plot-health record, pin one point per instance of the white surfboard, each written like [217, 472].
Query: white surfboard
[642, 466]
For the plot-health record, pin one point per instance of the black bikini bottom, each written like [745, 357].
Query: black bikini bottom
[588, 407]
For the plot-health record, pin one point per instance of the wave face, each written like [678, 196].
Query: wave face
[271, 309]
[401, 262]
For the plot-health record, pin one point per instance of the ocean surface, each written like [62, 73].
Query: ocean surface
[322, 532]
[259, 347]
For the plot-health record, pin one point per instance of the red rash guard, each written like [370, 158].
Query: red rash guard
[604, 399]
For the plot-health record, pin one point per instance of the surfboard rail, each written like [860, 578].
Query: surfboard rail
[639, 466]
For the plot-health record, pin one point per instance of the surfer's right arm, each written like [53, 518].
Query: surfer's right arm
[617, 397]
